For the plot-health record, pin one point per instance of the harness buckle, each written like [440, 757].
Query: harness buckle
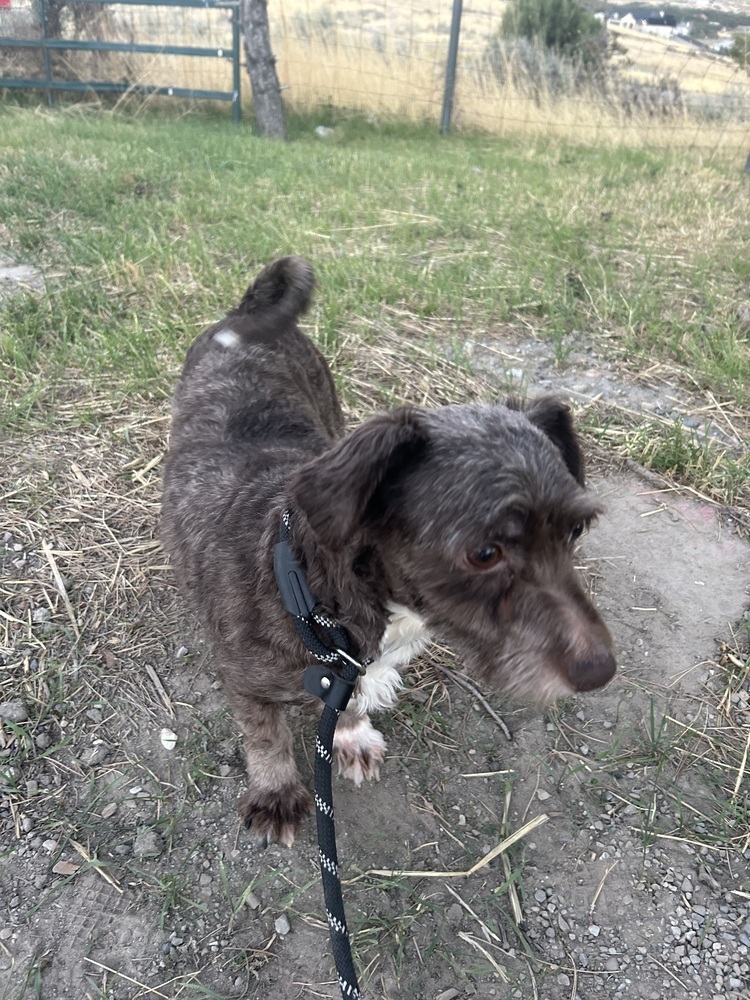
[291, 580]
[332, 689]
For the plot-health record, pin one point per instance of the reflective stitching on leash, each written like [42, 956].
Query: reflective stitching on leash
[348, 990]
[330, 866]
[323, 807]
[330, 643]
[336, 924]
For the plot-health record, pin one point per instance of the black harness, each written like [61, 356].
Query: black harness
[332, 680]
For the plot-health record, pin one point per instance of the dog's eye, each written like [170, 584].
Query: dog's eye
[486, 557]
[576, 532]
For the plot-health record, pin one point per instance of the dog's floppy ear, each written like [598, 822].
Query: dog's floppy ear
[553, 416]
[345, 486]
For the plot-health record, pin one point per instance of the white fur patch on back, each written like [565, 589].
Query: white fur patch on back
[404, 638]
[227, 338]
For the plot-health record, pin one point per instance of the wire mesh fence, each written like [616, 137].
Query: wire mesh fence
[659, 87]
[660, 84]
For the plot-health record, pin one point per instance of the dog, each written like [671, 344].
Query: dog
[458, 522]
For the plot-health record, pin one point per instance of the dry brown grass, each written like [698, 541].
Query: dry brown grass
[648, 57]
[388, 60]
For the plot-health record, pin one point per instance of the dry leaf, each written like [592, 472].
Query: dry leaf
[65, 868]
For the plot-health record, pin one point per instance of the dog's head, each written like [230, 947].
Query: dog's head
[474, 512]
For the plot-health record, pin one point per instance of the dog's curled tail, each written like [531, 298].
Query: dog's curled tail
[282, 290]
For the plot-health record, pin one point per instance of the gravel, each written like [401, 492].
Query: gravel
[705, 941]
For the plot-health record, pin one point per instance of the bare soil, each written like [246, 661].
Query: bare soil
[124, 872]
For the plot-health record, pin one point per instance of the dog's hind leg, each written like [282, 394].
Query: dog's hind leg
[276, 801]
[359, 748]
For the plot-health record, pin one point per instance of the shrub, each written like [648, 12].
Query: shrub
[562, 26]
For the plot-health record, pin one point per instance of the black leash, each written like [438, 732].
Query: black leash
[332, 645]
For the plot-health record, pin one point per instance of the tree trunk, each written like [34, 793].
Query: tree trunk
[261, 67]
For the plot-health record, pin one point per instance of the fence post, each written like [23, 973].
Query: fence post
[450, 68]
[236, 61]
[45, 51]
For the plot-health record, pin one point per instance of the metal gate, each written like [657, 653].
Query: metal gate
[32, 31]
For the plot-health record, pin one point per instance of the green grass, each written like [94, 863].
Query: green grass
[150, 227]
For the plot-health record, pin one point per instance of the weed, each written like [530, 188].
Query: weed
[172, 895]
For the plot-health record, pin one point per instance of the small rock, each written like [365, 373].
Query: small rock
[594, 930]
[14, 710]
[42, 741]
[448, 995]
[612, 965]
[563, 979]
[168, 739]
[39, 615]
[281, 925]
[49, 846]
[542, 795]
[6, 933]
[109, 810]
[540, 896]
[95, 755]
[252, 901]
[322, 131]
[148, 844]
[182, 651]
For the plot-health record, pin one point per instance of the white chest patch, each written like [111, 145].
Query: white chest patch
[227, 338]
[404, 638]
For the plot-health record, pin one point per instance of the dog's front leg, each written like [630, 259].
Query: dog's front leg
[358, 746]
[276, 801]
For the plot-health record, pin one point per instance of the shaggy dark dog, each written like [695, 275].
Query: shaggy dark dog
[458, 522]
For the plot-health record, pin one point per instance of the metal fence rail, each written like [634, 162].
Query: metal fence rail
[46, 43]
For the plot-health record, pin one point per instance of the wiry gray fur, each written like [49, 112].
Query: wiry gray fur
[391, 513]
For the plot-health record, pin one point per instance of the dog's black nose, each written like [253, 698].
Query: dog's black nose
[592, 672]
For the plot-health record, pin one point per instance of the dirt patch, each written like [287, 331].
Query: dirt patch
[124, 872]
[17, 278]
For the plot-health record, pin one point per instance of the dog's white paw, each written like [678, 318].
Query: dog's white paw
[359, 751]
